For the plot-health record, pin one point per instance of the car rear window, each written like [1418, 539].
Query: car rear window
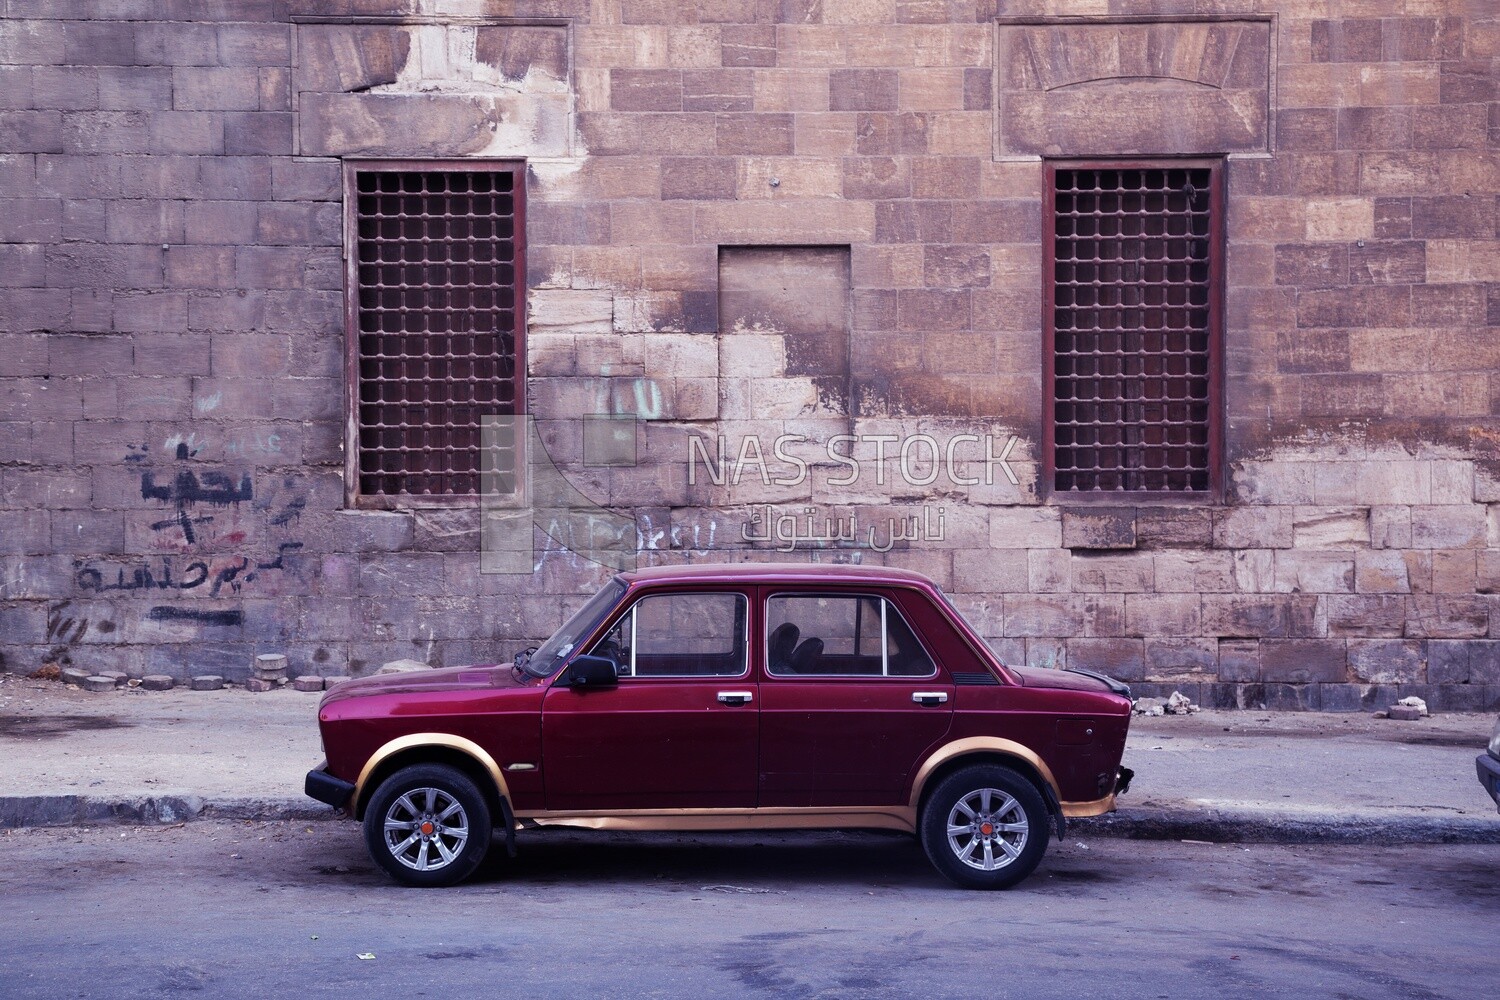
[841, 634]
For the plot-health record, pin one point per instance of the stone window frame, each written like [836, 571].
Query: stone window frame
[1214, 493]
[355, 496]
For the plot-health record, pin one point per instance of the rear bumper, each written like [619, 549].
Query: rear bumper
[1489, 775]
[325, 787]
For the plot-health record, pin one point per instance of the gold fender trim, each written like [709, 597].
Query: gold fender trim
[445, 740]
[977, 744]
[1094, 807]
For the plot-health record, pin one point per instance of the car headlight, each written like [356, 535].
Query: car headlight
[1495, 740]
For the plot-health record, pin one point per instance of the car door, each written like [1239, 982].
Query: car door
[850, 700]
[681, 729]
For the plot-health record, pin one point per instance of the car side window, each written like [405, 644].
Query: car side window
[841, 635]
[679, 635]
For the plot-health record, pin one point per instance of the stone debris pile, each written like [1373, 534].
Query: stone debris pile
[1176, 703]
[268, 672]
[1408, 709]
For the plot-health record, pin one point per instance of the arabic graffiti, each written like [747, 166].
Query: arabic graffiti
[160, 574]
[188, 487]
[788, 529]
[169, 613]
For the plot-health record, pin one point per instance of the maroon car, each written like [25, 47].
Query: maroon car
[732, 698]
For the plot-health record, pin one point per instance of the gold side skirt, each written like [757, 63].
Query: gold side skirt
[783, 818]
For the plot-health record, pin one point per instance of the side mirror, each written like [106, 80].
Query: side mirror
[592, 672]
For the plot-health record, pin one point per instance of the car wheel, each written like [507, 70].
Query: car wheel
[428, 825]
[985, 827]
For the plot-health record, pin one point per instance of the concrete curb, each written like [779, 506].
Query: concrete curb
[1276, 826]
[1217, 824]
[17, 811]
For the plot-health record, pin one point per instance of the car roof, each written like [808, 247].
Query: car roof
[776, 573]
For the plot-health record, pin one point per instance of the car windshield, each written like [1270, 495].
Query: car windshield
[555, 651]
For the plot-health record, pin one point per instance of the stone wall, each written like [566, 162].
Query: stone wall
[804, 221]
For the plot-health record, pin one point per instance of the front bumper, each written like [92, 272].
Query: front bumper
[1489, 775]
[325, 787]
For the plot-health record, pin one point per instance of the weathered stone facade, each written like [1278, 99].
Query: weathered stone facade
[748, 219]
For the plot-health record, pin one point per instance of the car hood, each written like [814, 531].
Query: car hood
[444, 679]
[1068, 680]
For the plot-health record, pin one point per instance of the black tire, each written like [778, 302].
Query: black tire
[428, 805]
[1017, 837]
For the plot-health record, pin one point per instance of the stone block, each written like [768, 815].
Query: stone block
[1255, 571]
[1173, 527]
[1366, 615]
[1448, 527]
[1390, 527]
[992, 571]
[1453, 572]
[1330, 527]
[589, 311]
[1455, 616]
[753, 134]
[259, 685]
[698, 177]
[158, 682]
[99, 683]
[1041, 615]
[1253, 528]
[1195, 572]
[307, 682]
[645, 90]
[1122, 659]
[1312, 572]
[1129, 573]
[1035, 527]
[1162, 615]
[863, 90]
[1239, 660]
[1254, 616]
[1181, 659]
[748, 45]
[1448, 660]
[1303, 661]
[1047, 653]
[1388, 661]
[1292, 697]
[1099, 528]
[1050, 571]
[1380, 571]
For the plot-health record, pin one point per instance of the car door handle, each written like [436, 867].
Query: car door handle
[929, 697]
[736, 697]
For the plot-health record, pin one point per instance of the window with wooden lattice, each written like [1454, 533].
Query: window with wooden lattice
[435, 315]
[1134, 320]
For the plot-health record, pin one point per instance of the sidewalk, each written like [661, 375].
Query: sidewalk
[71, 757]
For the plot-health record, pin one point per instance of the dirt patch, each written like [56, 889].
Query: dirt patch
[50, 727]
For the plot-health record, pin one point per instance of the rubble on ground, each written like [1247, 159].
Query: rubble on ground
[1176, 703]
[1408, 709]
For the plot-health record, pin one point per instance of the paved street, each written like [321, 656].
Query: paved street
[279, 909]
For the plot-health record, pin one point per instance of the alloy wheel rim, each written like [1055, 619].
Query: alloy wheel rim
[987, 829]
[426, 829]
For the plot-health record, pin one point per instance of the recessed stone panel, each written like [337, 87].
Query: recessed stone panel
[1107, 88]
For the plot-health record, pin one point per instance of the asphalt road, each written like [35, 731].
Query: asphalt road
[283, 910]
